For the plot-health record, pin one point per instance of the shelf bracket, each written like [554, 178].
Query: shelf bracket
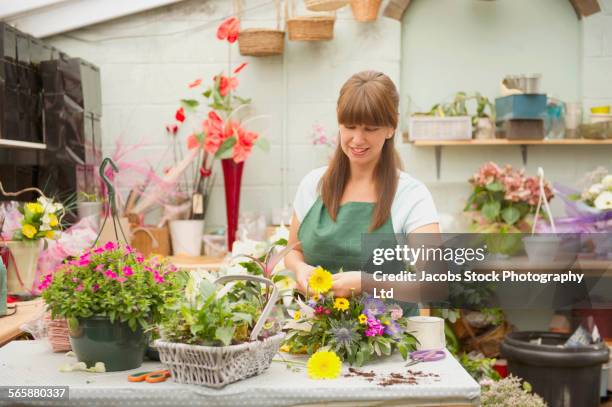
[524, 153]
[438, 161]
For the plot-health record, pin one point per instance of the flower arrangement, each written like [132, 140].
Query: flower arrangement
[41, 219]
[113, 281]
[356, 329]
[503, 199]
[598, 193]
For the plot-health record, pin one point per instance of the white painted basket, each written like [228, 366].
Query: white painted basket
[218, 366]
[440, 128]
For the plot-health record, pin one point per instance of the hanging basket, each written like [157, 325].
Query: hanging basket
[218, 366]
[261, 42]
[311, 28]
[325, 5]
[365, 10]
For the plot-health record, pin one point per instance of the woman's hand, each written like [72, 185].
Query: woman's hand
[302, 275]
[346, 283]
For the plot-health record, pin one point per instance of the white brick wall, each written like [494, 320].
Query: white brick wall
[144, 76]
[145, 70]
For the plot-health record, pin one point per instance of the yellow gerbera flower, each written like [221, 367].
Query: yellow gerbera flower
[341, 304]
[53, 220]
[362, 319]
[28, 231]
[50, 234]
[297, 315]
[34, 207]
[320, 280]
[317, 297]
[324, 365]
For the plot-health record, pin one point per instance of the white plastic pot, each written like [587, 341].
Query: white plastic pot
[187, 237]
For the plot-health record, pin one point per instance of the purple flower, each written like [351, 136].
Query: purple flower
[393, 329]
[374, 328]
[127, 271]
[373, 307]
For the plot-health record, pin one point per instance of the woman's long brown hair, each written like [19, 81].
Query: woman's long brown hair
[367, 98]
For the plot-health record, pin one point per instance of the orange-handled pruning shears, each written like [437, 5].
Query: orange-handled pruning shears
[150, 377]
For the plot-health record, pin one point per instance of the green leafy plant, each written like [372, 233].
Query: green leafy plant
[478, 367]
[206, 318]
[113, 281]
[459, 107]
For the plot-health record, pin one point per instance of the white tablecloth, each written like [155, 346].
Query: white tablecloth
[31, 363]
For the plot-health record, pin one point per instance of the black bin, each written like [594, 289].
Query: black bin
[564, 377]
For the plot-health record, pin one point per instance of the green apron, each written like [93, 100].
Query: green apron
[335, 245]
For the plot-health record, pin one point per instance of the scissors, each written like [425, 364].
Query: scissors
[430, 355]
[150, 377]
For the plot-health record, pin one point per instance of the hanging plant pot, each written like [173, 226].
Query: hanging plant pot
[261, 42]
[311, 28]
[365, 10]
[325, 5]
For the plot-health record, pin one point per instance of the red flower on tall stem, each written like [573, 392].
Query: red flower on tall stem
[229, 30]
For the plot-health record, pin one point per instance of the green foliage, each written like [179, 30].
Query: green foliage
[115, 282]
[479, 368]
[203, 318]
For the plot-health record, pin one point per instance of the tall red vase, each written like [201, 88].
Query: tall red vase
[232, 177]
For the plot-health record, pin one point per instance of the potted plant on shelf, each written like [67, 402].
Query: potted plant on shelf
[214, 338]
[37, 221]
[110, 295]
[89, 205]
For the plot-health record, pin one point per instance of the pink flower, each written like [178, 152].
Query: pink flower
[99, 250]
[75, 280]
[95, 287]
[110, 246]
[139, 258]
[486, 174]
[122, 279]
[99, 267]
[80, 287]
[158, 278]
[84, 262]
[127, 271]
[213, 129]
[110, 273]
[244, 145]
[396, 313]
[129, 249]
[47, 280]
[374, 328]
[226, 84]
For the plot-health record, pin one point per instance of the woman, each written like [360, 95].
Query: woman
[362, 190]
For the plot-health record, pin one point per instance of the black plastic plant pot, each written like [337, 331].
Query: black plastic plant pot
[564, 377]
[96, 339]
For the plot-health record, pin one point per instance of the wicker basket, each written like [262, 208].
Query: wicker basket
[325, 5]
[489, 342]
[365, 10]
[218, 366]
[261, 42]
[311, 28]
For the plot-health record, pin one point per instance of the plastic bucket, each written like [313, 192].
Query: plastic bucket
[564, 377]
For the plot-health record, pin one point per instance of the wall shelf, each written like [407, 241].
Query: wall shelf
[7, 143]
[438, 144]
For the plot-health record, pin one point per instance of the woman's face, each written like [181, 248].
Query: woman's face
[363, 143]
